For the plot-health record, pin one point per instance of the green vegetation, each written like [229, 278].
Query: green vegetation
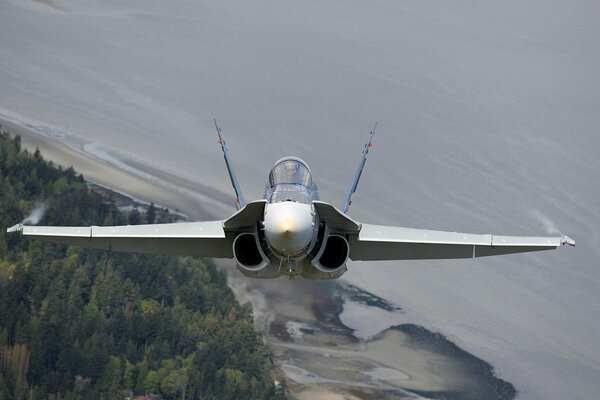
[86, 324]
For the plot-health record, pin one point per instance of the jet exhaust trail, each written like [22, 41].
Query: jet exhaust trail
[36, 215]
[548, 224]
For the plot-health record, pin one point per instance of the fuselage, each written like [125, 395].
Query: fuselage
[289, 237]
[289, 220]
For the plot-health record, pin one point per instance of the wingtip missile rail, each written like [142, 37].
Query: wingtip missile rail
[15, 228]
[567, 240]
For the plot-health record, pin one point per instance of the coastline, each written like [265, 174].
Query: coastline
[320, 356]
[102, 173]
[324, 358]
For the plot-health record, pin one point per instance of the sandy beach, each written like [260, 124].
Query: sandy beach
[317, 355]
[159, 189]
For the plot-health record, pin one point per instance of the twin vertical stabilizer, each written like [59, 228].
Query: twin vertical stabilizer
[240, 201]
[361, 165]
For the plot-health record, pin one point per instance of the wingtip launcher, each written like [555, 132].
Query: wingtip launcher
[15, 228]
[567, 240]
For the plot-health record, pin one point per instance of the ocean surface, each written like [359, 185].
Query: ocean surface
[488, 122]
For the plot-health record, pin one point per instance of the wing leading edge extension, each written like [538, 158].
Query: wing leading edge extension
[378, 242]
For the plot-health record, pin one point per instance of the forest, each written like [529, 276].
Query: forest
[85, 324]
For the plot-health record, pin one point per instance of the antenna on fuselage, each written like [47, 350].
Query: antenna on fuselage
[240, 201]
[361, 165]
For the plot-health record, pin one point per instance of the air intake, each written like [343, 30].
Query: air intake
[333, 254]
[248, 253]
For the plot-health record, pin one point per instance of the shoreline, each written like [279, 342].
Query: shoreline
[324, 358]
[109, 176]
[302, 321]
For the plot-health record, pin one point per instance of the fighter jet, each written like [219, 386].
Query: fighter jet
[291, 232]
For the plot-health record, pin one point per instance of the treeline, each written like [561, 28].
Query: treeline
[86, 324]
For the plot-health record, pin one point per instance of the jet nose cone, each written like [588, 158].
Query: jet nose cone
[288, 226]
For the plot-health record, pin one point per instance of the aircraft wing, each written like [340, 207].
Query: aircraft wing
[205, 239]
[212, 239]
[378, 242]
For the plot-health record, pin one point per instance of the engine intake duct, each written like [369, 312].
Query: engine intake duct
[248, 252]
[333, 254]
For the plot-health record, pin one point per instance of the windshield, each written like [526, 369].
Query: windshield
[290, 180]
[290, 171]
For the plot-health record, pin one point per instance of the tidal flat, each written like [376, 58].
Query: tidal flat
[320, 356]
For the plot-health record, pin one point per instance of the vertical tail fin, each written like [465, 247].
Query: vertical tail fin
[361, 165]
[240, 201]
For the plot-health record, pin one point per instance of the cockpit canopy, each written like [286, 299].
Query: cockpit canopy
[290, 170]
[290, 180]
